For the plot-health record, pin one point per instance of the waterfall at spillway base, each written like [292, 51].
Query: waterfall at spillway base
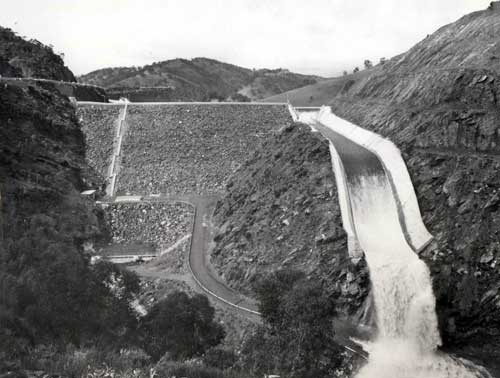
[408, 334]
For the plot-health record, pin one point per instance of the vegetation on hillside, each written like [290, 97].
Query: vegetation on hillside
[57, 310]
[49, 292]
[181, 326]
[198, 79]
[30, 58]
[297, 337]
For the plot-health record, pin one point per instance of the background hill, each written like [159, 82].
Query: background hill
[22, 58]
[196, 79]
[320, 93]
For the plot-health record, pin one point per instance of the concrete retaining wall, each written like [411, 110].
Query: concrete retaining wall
[397, 173]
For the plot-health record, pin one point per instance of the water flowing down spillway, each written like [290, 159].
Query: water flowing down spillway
[407, 329]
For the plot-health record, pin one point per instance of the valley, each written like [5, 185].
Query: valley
[195, 218]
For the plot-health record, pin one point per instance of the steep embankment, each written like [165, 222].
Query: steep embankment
[47, 290]
[282, 211]
[30, 59]
[191, 148]
[439, 103]
[199, 79]
[30, 63]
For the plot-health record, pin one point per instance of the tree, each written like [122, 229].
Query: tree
[51, 294]
[383, 60]
[356, 69]
[179, 325]
[344, 73]
[238, 97]
[368, 64]
[297, 338]
[220, 358]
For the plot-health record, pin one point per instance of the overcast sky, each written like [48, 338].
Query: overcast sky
[309, 36]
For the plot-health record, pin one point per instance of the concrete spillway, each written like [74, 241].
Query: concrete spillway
[407, 329]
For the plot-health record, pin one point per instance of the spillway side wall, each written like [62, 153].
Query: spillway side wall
[396, 170]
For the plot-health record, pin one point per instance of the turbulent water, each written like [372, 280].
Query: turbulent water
[408, 336]
[408, 333]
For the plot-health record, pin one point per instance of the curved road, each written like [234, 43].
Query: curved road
[200, 267]
[209, 282]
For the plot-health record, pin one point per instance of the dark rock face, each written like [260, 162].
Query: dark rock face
[282, 211]
[439, 103]
[32, 58]
[451, 150]
[36, 170]
[44, 223]
[459, 200]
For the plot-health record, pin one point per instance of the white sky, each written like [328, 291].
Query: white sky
[308, 36]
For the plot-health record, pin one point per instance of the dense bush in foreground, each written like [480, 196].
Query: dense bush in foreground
[49, 293]
[181, 326]
[297, 337]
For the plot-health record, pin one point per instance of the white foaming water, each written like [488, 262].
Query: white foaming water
[408, 335]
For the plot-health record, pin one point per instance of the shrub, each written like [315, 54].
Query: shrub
[181, 326]
[220, 358]
[238, 97]
[297, 338]
[179, 369]
[85, 362]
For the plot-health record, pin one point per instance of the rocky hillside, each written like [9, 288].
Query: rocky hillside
[439, 103]
[47, 290]
[30, 59]
[282, 212]
[196, 79]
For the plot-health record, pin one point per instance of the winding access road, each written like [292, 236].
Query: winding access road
[201, 269]
[209, 282]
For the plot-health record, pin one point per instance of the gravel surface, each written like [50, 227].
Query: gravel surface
[173, 258]
[157, 224]
[174, 149]
[98, 124]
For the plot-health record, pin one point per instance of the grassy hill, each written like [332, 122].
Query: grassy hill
[314, 94]
[196, 79]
